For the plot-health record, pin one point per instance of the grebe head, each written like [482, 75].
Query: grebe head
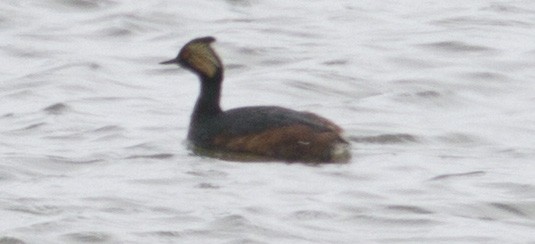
[199, 57]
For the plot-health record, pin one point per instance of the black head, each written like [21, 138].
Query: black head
[199, 57]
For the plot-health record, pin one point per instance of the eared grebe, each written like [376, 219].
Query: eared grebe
[266, 132]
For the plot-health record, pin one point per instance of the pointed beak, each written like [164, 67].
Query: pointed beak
[172, 61]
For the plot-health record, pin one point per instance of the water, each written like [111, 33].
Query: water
[436, 97]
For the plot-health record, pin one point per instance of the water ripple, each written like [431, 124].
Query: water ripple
[10, 240]
[457, 46]
[88, 237]
[386, 139]
[56, 109]
[84, 4]
[409, 209]
[153, 156]
[509, 208]
[458, 175]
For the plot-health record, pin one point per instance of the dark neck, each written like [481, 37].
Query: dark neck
[208, 102]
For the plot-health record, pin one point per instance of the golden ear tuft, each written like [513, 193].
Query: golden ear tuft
[199, 56]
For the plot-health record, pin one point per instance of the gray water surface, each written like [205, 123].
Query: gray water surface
[436, 97]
